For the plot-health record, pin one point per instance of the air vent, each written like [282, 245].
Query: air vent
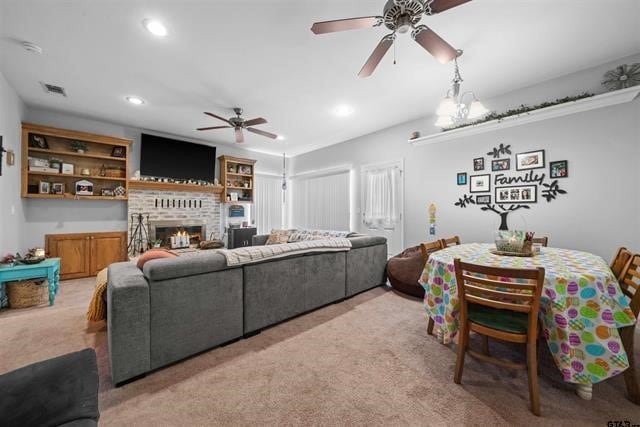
[53, 89]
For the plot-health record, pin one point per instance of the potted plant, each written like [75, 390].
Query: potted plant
[156, 243]
[79, 146]
[55, 163]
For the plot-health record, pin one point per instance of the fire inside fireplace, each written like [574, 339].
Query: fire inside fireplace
[177, 234]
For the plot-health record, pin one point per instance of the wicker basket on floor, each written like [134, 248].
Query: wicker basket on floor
[27, 293]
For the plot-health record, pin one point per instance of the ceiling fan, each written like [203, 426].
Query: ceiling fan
[399, 16]
[239, 123]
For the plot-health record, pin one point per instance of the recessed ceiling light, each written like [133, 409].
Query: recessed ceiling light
[343, 110]
[155, 27]
[135, 100]
[280, 138]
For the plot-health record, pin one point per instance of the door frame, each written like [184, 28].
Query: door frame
[384, 165]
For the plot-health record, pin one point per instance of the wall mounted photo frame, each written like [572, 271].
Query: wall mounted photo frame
[559, 169]
[462, 178]
[517, 194]
[530, 160]
[480, 183]
[478, 164]
[500, 165]
[483, 199]
[38, 141]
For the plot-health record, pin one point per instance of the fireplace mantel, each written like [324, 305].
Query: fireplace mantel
[172, 186]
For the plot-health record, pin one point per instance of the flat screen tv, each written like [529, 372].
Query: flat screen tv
[170, 158]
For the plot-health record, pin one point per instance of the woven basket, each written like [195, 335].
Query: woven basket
[28, 293]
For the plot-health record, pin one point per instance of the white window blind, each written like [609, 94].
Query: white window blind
[268, 203]
[321, 202]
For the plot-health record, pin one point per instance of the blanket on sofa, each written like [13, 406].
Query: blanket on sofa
[251, 254]
[98, 307]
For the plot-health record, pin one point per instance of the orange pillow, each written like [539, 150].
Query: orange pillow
[154, 254]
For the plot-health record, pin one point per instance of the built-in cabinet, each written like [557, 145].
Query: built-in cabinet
[237, 177]
[67, 164]
[85, 254]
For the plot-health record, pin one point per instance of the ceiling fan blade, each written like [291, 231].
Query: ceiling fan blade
[263, 133]
[434, 44]
[239, 136]
[253, 122]
[217, 117]
[441, 5]
[377, 55]
[214, 127]
[346, 24]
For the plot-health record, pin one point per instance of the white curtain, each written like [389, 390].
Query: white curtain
[321, 202]
[268, 203]
[381, 201]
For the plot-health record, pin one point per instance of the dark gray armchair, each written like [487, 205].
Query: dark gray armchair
[62, 391]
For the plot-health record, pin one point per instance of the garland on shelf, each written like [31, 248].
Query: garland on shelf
[523, 108]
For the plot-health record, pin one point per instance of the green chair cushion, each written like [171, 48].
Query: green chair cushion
[501, 320]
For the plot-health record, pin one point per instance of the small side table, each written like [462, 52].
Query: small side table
[49, 269]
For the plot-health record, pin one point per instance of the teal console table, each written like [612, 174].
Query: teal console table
[49, 269]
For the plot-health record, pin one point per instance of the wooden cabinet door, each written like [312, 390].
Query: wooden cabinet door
[107, 248]
[74, 252]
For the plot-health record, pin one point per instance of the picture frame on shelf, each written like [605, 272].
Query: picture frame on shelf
[57, 188]
[245, 169]
[518, 194]
[118, 151]
[530, 160]
[67, 169]
[84, 188]
[483, 199]
[108, 192]
[44, 187]
[480, 183]
[559, 169]
[500, 165]
[462, 178]
[478, 164]
[38, 141]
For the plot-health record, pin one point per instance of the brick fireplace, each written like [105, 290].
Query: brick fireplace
[198, 213]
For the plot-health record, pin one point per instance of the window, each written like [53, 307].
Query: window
[268, 203]
[321, 202]
[381, 204]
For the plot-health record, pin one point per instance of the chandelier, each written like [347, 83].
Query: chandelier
[456, 108]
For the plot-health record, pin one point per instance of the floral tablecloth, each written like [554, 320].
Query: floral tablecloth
[581, 307]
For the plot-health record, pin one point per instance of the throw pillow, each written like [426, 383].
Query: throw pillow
[154, 254]
[279, 236]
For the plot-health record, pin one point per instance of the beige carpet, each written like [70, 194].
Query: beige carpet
[367, 360]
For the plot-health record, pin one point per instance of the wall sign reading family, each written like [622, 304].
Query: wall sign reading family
[513, 189]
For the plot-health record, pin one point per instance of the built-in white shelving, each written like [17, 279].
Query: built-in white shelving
[598, 101]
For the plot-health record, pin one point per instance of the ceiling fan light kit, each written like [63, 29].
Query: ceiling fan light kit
[238, 124]
[399, 16]
[456, 107]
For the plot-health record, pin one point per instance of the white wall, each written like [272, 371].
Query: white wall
[12, 111]
[601, 210]
[45, 216]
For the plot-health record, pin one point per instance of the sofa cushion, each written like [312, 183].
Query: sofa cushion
[185, 265]
[279, 236]
[154, 254]
[362, 241]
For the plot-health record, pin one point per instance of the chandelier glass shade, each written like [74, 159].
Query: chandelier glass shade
[456, 107]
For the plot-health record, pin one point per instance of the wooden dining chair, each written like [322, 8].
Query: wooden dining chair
[619, 261]
[544, 240]
[630, 285]
[427, 249]
[451, 241]
[506, 311]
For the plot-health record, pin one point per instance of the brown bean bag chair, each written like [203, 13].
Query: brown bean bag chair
[405, 269]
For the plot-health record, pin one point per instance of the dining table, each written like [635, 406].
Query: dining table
[581, 307]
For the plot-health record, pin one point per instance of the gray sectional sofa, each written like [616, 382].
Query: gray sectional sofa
[177, 307]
